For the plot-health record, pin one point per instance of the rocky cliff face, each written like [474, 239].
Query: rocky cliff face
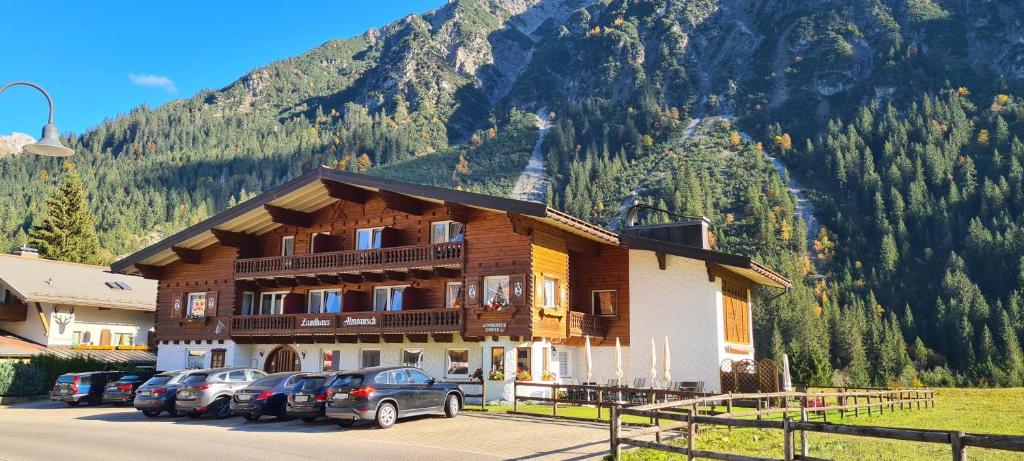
[14, 143]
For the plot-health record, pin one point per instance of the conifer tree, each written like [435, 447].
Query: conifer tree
[67, 232]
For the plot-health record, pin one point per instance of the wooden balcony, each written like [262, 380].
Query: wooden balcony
[394, 258]
[414, 321]
[583, 324]
[13, 312]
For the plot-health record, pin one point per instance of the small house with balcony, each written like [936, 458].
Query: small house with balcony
[335, 270]
[73, 309]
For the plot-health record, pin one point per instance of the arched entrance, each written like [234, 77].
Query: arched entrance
[282, 358]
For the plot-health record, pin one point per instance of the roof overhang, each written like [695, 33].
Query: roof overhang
[741, 266]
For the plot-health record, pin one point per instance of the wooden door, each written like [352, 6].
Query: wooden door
[105, 337]
[282, 359]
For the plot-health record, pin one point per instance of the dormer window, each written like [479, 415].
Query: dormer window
[446, 231]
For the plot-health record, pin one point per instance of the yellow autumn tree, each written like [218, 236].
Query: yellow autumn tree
[1002, 99]
[783, 142]
[786, 230]
[734, 138]
[363, 163]
[963, 91]
[983, 137]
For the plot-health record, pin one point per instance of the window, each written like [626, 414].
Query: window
[369, 238]
[272, 303]
[496, 291]
[453, 295]
[217, 358]
[125, 339]
[735, 313]
[563, 364]
[332, 360]
[603, 302]
[370, 358]
[288, 245]
[523, 360]
[195, 359]
[412, 358]
[76, 338]
[256, 374]
[497, 359]
[237, 376]
[419, 377]
[318, 245]
[324, 301]
[458, 362]
[196, 305]
[248, 303]
[549, 292]
[388, 298]
[446, 231]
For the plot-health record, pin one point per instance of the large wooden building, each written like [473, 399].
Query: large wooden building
[337, 270]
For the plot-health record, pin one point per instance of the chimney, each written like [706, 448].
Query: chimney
[691, 232]
[27, 252]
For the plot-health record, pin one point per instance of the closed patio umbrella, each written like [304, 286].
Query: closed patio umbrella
[590, 359]
[668, 364]
[787, 380]
[618, 361]
[653, 363]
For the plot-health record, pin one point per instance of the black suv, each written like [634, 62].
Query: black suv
[122, 391]
[384, 394]
[309, 397]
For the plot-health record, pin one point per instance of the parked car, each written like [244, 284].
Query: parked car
[75, 388]
[122, 391]
[210, 390]
[157, 395]
[384, 394]
[309, 396]
[265, 397]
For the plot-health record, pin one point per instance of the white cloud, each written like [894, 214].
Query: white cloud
[153, 81]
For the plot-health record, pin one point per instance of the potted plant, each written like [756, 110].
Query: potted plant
[523, 375]
[547, 376]
[496, 375]
[477, 375]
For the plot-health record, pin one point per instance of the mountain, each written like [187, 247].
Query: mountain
[14, 143]
[877, 107]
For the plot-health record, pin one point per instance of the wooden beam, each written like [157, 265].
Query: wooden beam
[348, 339]
[372, 339]
[328, 279]
[372, 276]
[238, 240]
[472, 339]
[351, 278]
[306, 280]
[457, 211]
[662, 260]
[446, 272]
[286, 281]
[403, 203]
[150, 272]
[187, 255]
[247, 284]
[520, 224]
[266, 283]
[442, 337]
[581, 245]
[417, 338]
[395, 275]
[289, 217]
[421, 274]
[348, 193]
[393, 339]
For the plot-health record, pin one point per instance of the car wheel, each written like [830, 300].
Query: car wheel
[177, 413]
[151, 413]
[346, 422]
[222, 409]
[387, 414]
[73, 404]
[451, 406]
[309, 420]
[194, 414]
[251, 416]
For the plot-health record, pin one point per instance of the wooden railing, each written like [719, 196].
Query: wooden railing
[13, 312]
[407, 321]
[594, 395]
[583, 324]
[354, 260]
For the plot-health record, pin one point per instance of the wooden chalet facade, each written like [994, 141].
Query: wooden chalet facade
[337, 270]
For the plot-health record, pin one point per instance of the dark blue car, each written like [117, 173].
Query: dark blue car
[309, 396]
[122, 391]
[267, 396]
[75, 388]
[157, 394]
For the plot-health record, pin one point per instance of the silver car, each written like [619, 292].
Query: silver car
[209, 391]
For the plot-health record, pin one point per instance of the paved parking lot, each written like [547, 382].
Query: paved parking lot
[45, 430]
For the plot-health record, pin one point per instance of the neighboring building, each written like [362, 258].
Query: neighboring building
[53, 306]
[337, 270]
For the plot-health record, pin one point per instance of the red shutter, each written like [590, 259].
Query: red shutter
[353, 301]
[474, 292]
[388, 237]
[411, 298]
[294, 303]
[517, 290]
[177, 306]
[211, 303]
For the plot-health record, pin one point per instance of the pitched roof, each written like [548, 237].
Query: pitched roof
[739, 265]
[106, 356]
[48, 281]
[12, 345]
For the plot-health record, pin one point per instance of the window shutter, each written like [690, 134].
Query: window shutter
[211, 303]
[474, 292]
[294, 303]
[177, 306]
[517, 290]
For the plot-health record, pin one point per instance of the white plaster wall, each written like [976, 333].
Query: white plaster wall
[680, 303]
[94, 320]
[31, 329]
[173, 356]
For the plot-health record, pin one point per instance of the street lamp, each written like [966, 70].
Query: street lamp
[49, 145]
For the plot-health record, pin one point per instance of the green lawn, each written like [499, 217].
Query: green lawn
[979, 411]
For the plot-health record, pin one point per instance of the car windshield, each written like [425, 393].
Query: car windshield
[158, 380]
[129, 378]
[312, 384]
[348, 381]
[198, 378]
[269, 381]
[66, 379]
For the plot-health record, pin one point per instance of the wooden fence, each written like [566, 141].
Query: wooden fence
[473, 382]
[600, 397]
[684, 415]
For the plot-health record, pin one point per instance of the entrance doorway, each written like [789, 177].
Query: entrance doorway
[282, 358]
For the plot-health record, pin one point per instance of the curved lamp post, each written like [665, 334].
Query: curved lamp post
[49, 145]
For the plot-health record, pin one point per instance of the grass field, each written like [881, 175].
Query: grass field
[978, 411]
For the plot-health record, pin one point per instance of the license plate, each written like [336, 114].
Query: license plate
[244, 397]
[185, 395]
[143, 392]
[340, 396]
[301, 398]
[65, 391]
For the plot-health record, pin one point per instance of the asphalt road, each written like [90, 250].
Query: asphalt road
[50, 431]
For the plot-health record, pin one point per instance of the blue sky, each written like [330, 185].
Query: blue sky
[100, 59]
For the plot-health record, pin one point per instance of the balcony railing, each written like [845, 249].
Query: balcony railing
[408, 321]
[406, 257]
[583, 324]
[13, 312]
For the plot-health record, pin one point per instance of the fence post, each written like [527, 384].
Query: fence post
[869, 403]
[691, 432]
[599, 403]
[614, 426]
[554, 399]
[728, 409]
[856, 407]
[515, 396]
[803, 433]
[787, 440]
[483, 393]
[956, 441]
